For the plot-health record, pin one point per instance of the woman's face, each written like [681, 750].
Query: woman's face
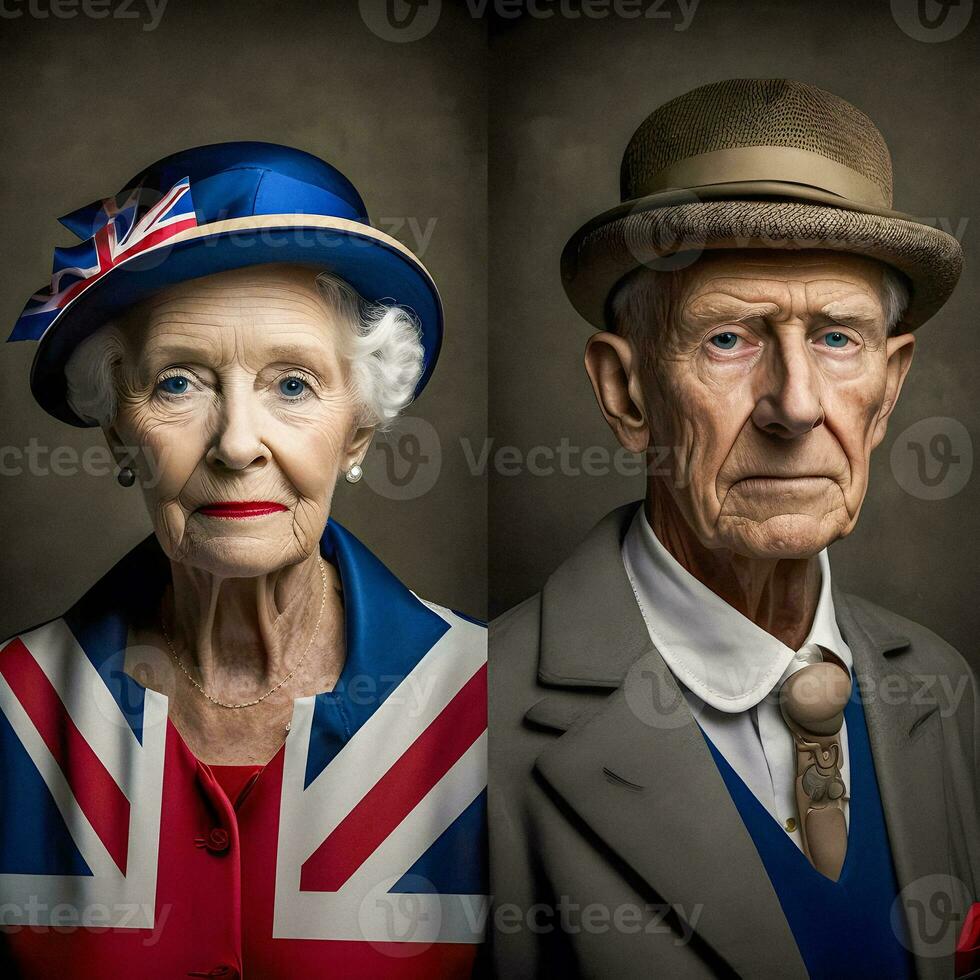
[233, 390]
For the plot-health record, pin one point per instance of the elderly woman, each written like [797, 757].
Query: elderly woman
[249, 749]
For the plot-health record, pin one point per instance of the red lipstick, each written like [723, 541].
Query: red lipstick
[240, 508]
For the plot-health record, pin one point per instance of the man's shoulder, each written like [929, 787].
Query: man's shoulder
[514, 641]
[518, 629]
[926, 650]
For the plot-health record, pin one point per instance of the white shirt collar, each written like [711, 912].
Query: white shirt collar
[719, 654]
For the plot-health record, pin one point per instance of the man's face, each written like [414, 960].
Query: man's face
[772, 386]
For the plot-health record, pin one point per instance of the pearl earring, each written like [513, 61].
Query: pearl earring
[354, 473]
[126, 476]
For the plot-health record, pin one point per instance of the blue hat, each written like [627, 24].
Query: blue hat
[207, 210]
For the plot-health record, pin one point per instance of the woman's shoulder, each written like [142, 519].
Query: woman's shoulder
[38, 657]
[32, 635]
[95, 625]
[457, 650]
[454, 616]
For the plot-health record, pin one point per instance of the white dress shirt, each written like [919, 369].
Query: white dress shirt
[727, 667]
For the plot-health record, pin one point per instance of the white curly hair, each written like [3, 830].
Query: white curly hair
[381, 343]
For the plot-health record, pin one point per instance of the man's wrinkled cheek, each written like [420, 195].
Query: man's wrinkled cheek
[664, 455]
[707, 418]
[724, 448]
[855, 410]
[669, 394]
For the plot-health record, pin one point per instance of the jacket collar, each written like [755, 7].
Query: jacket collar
[592, 630]
[721, 656]
[636, 769]
[588, 605]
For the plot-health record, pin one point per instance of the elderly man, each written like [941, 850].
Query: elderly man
[706, 759]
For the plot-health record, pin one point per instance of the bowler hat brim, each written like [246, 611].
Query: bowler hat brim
[669, 229]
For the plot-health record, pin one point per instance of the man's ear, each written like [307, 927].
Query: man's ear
[613, 368]
[899, 350]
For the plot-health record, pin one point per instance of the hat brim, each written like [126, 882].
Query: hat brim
[380, 268]
[683, 223]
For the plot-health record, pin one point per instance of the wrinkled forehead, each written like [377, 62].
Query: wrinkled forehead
[258, 309]
[784, 282]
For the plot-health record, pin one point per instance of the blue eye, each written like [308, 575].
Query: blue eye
[176, 385]
[836, 339]
[727, 340]
[292, 387]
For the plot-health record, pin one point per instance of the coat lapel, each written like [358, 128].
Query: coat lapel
[639, 772]
[641, 776]
[902, 711]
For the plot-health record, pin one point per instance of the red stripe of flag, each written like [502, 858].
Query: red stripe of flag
[155, 237]
[103, 248]
[99, 796]
[400, 789]
[140, 232]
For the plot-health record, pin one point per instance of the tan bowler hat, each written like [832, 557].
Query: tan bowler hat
[756, 163]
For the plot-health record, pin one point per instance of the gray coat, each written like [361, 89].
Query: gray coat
[616, 850]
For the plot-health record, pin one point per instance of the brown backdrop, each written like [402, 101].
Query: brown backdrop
[90, 102]
[566, 94]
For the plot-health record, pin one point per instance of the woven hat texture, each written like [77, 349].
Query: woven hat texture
[756, 163]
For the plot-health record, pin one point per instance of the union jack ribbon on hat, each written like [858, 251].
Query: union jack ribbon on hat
[123, 226]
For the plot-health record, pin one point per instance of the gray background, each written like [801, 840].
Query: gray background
[88, 103]
[566, 95]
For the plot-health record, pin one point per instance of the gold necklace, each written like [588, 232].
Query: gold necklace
[248, 704]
